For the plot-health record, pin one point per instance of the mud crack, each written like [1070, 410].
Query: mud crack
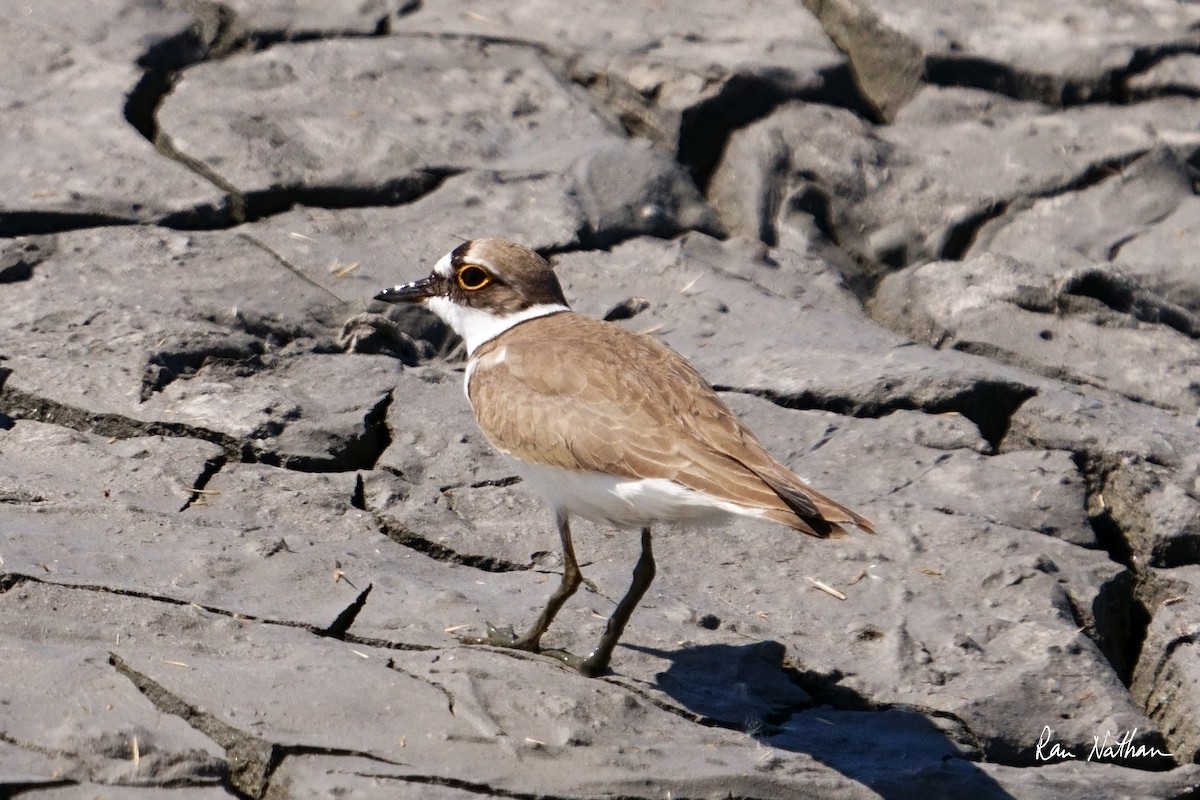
[989, 404]
[338, 629]
[23, 405]
[361, 451]
[252, 760]
[403, 535]
[211, 467]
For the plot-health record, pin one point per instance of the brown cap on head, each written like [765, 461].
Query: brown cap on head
[490, 274]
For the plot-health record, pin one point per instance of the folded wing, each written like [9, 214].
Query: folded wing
[622, 403]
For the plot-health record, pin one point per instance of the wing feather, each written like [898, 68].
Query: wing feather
[582, 407]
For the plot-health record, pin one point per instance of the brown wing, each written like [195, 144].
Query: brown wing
[583, 386]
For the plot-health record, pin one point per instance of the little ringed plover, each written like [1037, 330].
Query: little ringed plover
[605, 423]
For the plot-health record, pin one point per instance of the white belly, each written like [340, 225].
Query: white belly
[624, 503]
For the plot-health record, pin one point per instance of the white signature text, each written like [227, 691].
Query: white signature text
[1110, 747]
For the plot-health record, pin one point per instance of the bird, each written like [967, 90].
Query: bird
[603, 422]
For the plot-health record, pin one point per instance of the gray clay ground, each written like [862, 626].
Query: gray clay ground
[941, 256]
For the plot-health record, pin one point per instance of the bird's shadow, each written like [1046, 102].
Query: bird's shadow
[897, 753]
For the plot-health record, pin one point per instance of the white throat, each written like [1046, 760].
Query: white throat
[477, 325]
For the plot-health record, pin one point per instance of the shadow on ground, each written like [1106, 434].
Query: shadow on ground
[899, 753]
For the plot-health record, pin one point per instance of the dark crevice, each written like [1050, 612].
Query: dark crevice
[508, 480]
[36, 223]
[1110, 536]
[1002, 355]
[215, 33]
[397, 191]
[360, 452]
[1144, 58]
[1124, 296]
[144, 99]
[473, 787]
[242, 207]
[1117, 621]
[211, 467]
[338, 628]
[386, 644]
[1118, 624]
[204, 772]
[22, 405]
[285, 751]
[16, 788]
[392, 665]
[241, 355]
[826, 689]
[1109, 86]
[158, 598]
[1121, 616]
[370, 447]
[1181, 550]
[989, 404]
[201, 218]
[963, 234]
[250, 760]
[11, 580]
[626, 309]
[609, 238]
[576, 246]
[1109, 533]
[705, 129]
[266, 38]
[671, 708]
[218, 33]
[358, 499]
[812, 199]
[402, 535]
[1167, 656]
[18, 260]
[1121, 493]
[841, 89]
[976, 72]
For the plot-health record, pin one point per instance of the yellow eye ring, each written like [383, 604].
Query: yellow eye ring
[472, 278]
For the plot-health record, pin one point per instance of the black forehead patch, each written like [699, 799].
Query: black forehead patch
[458, 254]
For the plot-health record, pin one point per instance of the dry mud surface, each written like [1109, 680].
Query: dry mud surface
[942, 259]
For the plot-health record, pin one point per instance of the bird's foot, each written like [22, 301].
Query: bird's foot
[504, 637]
[588, 666]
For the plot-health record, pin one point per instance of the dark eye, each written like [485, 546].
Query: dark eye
[472, 278]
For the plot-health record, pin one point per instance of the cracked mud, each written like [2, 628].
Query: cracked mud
[939, 259]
